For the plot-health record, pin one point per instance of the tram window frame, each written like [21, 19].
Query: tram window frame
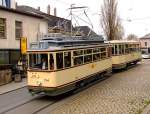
[60, 64]
[67, 59]
[40, 61]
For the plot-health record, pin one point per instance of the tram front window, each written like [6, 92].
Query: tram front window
[38, 61]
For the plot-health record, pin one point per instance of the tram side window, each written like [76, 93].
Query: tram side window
[120, 49]
[113, 50]
[67, 59]
[103, 55]
[87, 58]
[77, 53]
[39, 61]
[96, 57]
[78, 60]
[116, 50]
[126, 48]
[123, 47]
[59, 60]
[88, 51]
[51, 62]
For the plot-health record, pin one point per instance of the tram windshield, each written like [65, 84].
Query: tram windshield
[38, 61]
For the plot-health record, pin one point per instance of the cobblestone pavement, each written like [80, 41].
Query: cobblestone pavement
[126, 92]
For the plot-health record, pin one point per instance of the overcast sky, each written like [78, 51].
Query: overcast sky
[134, 13]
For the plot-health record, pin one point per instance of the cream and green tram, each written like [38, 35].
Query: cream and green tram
[56, 66]
[125, 53]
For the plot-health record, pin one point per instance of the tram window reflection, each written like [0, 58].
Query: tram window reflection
[59, 60]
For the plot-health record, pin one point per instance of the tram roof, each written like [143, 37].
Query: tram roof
[123, 41]
[59, 43]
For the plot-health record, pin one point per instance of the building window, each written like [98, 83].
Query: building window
[18, 25]
[2, 28]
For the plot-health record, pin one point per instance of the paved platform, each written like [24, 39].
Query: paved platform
[12, 86]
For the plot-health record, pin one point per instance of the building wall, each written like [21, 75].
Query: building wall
[31, 28]
[145, 43]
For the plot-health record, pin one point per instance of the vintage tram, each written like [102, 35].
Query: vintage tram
[125, 53]
[58, 65]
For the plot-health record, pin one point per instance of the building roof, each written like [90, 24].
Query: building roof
[36, 11]
[53, 21]
[147, 36]
[20, 12]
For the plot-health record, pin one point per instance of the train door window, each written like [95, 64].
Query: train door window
[39, 61]
[67, 59]
[59, 60]
[51, 62]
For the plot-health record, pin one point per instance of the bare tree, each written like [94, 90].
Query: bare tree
[110, 20]
[132, 37]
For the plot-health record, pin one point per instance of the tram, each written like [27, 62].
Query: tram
[58, 65]
[125, 53]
